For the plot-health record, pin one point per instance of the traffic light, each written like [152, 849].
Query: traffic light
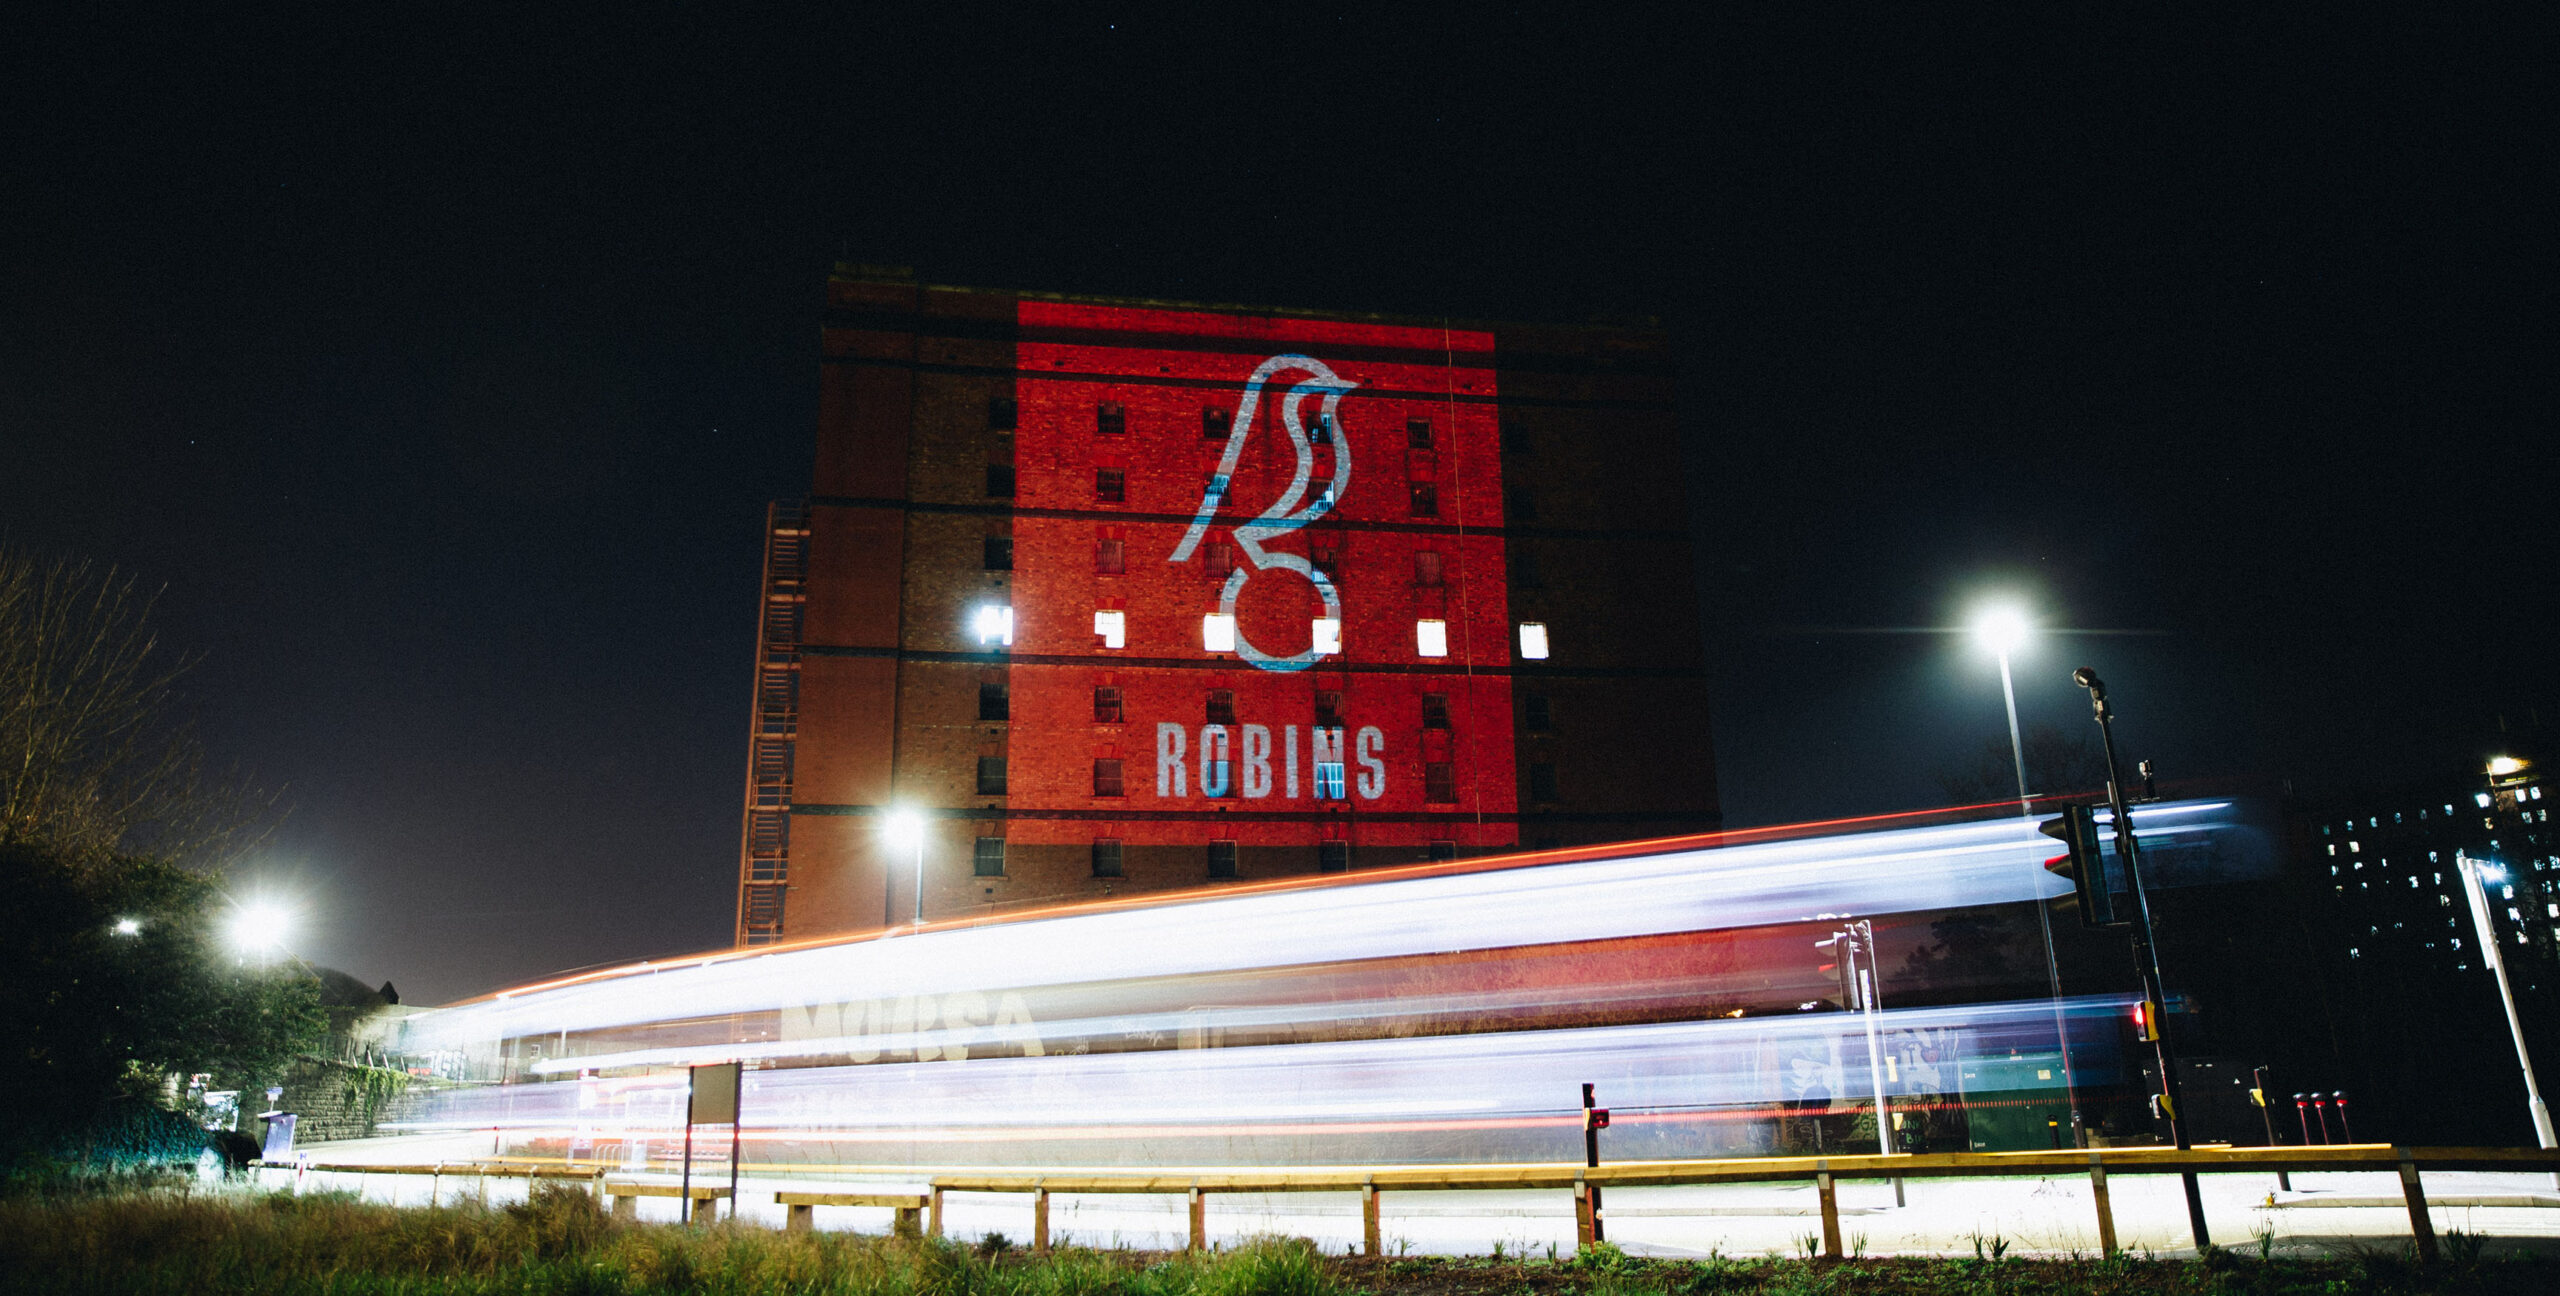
[2077, 830]
[2146, 1021]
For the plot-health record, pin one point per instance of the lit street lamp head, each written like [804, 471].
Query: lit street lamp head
[905, 828]
[2002, 628]
[257, 929]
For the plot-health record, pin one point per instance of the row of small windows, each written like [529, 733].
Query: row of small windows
[994, 623]
[1111, 418]
[1111, 486]
[1110, 779]
[995, 702]
[1109, 856]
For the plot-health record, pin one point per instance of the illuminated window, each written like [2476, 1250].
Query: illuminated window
[1213, 486]
[1222, 859]
[1111, 485]
[1424, 497]
[1218, 632]
[994, 624]
[1002, 413]
[1106, 857]
[1426, 567]
[1444, 850]
[2333, 848]
[1435, 710]
[1542, 782]
[2482, 798]
[1327, 638]
[1106, 704]
[1333, 857]
[1329, 708]
[1222, 706]
[1541, 713]
[1329, 784]
[1106, 776]
[1417, 433]
[1110, 555]
[1219, 559]
[1110, 418]
[1521, 507]
[995, 702]
[1439, 782]
[1214, 424]
[988, 859]
[999, 481]
[1111, 626]
[998, 553]
[991, 776]
[1533, 640]
[2355, 848]
[1431, 638]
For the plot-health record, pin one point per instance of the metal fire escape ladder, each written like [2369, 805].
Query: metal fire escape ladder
[764, 852]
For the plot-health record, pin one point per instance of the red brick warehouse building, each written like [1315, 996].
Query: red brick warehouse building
[1130, 596]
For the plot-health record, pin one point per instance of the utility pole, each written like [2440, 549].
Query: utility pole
[2146, 951]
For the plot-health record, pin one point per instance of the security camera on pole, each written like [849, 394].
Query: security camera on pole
[2146, 953]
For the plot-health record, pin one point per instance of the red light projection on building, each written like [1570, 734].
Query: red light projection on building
[1258, 580]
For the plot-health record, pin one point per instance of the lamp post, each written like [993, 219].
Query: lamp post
[905, 827]
[1855, 948]
[2003, 628]
[2474, 874]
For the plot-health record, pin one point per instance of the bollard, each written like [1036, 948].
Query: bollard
[1199, 1219]
[1369, 1218]
[1039, 1217]
[1830, 1213]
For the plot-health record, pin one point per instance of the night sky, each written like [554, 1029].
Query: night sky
[442, 374]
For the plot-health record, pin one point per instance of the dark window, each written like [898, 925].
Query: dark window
[1435, 710]
[1439, 782]
[995, 702]
[1214, 485]
[1110, 555]
[1426, 567]
[1106, 776]
[1548, 843]
[1002, 413]
[1542, 782]
[1111, 485]
[1329, 785]
[1327, 559]
[1524, 570]
[1417, 433]
[1106, 857]
[1425, 498]
[1222, 859]
[1522, 507]
[1110, 418]
[1106, 704]
[1000, 481]
[1222, 706]
[1515, 439]
[1333, 857]
[1214, 424]
[1329, 708]
[991, 776]
[999, 553]
[1221, 559]
[1321, 430]
[1541, 713]
[1444, 850]
[988, 857]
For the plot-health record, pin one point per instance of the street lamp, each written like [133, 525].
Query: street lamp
[257, 929]
[2474, 874]
[2004, 628]
[905, 828]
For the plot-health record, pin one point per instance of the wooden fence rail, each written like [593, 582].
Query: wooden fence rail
[1823, 1172]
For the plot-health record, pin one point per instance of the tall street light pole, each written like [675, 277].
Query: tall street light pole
[906, 828]
[2474, 875]
[2146, 953]
[2003, 628]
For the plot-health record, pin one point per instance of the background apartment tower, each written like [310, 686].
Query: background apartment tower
[1136, 596]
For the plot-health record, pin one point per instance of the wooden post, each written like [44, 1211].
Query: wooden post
[804, 1217]
[2419, 1225]
[705, 1209]
[626, 1206]
[2106, 1211]
[1039, 1217]
[1199, 1220]
[1369, 1218]
[1581, 1214]
[934, 1227]
[904, 1223]
[1830, 1214]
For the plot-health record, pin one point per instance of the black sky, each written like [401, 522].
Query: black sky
[442, 371]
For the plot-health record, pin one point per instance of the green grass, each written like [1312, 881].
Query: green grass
[561, 1244]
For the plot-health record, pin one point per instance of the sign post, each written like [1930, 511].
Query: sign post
[711, 1099]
